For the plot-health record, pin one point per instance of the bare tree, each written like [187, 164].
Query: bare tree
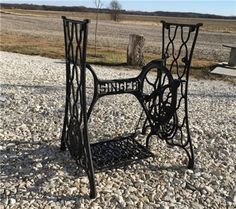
[98, 5]
[115, 7]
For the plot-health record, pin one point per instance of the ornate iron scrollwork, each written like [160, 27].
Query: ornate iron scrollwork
[163, 109]
[176, 56]
[160, 104]
[74, 133]
[74, 139]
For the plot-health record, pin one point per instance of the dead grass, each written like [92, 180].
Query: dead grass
[31, 45]
[54, 48]
[34, 45]
[219, 25]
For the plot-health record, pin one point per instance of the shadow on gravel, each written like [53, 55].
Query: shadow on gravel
[159, 168]
[44, 87]
[34, 165]
[221, 95]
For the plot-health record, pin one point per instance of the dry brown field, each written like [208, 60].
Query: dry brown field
[40, 33]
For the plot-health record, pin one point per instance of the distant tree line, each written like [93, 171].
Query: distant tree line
[109, 10]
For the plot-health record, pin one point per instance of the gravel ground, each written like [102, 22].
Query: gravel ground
[35, 174]
[116, 35]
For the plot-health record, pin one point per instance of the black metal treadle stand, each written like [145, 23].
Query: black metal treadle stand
[165, 106]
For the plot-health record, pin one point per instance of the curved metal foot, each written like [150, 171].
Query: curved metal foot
[189, 151]
[191, 163]
[92, 186]
[92, 194]
[63, 146]
[144, 128]
[148, 139]
[89, 168]
[63, 143]
[64, 132]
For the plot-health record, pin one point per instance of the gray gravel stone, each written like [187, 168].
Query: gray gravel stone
[12, 201]
[35, 174]
[196, 205]
[2, 98]
[209, 189]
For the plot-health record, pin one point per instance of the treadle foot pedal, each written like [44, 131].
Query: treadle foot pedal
[117, 152]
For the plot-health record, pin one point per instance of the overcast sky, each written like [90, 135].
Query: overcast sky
[219, 7]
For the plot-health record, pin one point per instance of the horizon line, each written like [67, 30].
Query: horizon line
[127, 10]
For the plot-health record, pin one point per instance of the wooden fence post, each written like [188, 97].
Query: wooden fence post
[135, 50]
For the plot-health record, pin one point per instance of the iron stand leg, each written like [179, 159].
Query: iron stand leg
[90, 173]
[189, 147]
[148, 139]
[89, 167]
[63, 137]
[190, 154]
